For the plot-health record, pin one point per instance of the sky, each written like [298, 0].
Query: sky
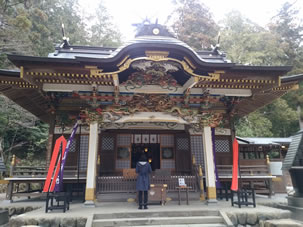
[128, 12]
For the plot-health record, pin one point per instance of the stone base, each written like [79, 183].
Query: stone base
[282, 223]
[296, 212]
[212, 202]
[7, 201]
[295, 201]
[3, 217]
[89, 203]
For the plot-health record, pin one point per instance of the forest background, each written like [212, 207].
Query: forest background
[33, 27]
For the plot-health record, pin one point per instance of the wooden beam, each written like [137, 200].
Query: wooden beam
[25, 76]
[191, 82]
[230, 92]
[117, 89]
[74, 87]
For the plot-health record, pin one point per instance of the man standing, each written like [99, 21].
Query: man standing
[143, 169]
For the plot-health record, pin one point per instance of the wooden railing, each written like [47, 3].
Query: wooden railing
[29, 171]
[251, 170]
[257, 177]
[39, 171]
[106, 184]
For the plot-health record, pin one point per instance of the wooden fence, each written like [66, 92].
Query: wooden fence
[257, 177]
[107, 184]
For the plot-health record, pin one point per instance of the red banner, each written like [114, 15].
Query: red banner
[234, 183]
[58, 183]
[50, 179]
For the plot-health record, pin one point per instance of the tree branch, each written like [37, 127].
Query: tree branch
[16, 146]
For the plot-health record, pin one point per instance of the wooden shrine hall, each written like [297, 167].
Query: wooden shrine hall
[155, 94]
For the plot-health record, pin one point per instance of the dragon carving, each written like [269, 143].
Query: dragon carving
[152, 73]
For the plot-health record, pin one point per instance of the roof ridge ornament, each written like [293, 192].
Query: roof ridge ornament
[149, 29]
[65, 43]
[216, 48]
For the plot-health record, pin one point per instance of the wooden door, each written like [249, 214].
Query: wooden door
[107, 153]
[183, 154]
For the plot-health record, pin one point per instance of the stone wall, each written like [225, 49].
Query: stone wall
[17, 221]
[282, 223]
[48, 222]
[249, 217]
[3, 188]
[17, 210]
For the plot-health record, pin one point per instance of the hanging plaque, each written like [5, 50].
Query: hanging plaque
[153, 138]
[145, 138]
[138, 138]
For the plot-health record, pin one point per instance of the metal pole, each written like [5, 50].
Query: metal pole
[202, 195]
[60, 157]
[239, 169]
[78, 164]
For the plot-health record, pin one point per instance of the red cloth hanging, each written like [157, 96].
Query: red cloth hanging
[234, 183]
[51, 177]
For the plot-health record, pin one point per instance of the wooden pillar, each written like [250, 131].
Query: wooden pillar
[90, 191]
[209, 166]
[270, 179]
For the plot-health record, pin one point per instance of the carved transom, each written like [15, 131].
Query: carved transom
[152, 73]
[196, 117]
[144, 103]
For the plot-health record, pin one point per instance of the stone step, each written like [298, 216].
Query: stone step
[149, 214]
[158, 221]
[183, 225]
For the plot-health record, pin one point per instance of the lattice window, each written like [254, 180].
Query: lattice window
[124, 139]
[182, 144]
[222, 145]
[196, 143]
[72, 147]
[167, 140]
[83, 151]
[168, 164]
[122, 164]
[107, 143]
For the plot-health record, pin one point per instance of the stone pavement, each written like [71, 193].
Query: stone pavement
[78, 214]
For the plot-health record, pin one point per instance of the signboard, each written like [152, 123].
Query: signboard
[276, 168]
[181, 182]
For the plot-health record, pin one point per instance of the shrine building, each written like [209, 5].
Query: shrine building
[154, 94]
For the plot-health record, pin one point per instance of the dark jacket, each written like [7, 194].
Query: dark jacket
[143, 170]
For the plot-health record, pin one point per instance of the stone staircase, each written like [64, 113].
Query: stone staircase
[193, 218]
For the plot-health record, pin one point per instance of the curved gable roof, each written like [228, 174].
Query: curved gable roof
[137, 47]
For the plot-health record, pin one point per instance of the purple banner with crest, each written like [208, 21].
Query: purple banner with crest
[59, 180]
